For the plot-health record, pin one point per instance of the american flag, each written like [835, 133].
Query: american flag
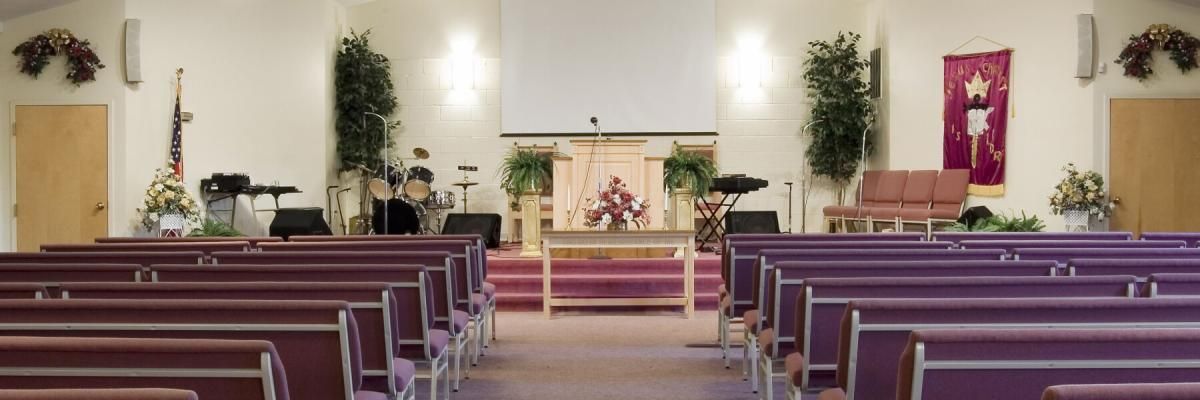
[177, 141]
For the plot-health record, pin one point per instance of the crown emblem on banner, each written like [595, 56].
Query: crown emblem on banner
[978, 86]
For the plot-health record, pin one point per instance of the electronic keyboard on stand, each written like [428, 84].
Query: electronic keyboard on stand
[732, 187]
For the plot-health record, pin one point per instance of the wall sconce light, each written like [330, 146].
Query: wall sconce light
[750, 64]
[462, 71]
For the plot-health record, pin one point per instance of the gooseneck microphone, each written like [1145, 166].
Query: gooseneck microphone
[595, 120]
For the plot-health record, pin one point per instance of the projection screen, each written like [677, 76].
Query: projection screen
[640, 66]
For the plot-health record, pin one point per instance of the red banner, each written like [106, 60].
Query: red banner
[976, 109]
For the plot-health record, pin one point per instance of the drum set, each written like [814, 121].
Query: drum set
[404, 200]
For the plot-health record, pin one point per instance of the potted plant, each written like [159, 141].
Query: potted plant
[211, 227]
[841, 105]
[167, 205]
[524, 173]
[688, 175]
[363, 83]
[1002, 223]
[1079, 197]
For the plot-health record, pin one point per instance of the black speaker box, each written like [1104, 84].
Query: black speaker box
[751, 222]
[487, 225]
[299, 221]
[973, 214]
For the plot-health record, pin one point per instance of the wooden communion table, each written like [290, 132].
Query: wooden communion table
[590, 239]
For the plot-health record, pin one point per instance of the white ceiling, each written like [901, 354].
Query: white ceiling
[10, 9]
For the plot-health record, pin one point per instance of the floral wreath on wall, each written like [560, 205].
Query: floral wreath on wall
[1137, 57]
[35, 53]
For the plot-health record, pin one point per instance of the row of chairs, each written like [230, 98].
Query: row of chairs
[795, 317]
[421, 306]
[925, 198]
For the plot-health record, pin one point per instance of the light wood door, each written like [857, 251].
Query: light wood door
[61, 174]
[1154, 164]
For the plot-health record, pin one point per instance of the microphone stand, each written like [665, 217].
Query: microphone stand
[803, 188]
[862, 163]
[386, 227]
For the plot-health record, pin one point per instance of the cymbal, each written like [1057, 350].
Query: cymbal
[464, 184]
[421, 153]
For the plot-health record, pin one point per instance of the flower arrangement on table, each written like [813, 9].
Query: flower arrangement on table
[167, 198]
[616, 207]
[1079, 191]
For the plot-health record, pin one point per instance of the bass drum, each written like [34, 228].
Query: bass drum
[440, 200]
[396, 217]
[417, 190]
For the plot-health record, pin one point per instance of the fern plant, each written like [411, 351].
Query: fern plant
[526, 169]
[363, 84]
[841, 102]
[689, 169]
[1002, 223]
[214, 228]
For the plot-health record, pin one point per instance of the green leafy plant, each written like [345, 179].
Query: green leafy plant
[1002, 223]
[214, 228]
[525, 169]
[689, 169]
[841, 103]
[364, 84]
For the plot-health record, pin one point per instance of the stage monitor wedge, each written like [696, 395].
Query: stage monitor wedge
[299, 221]
[751, 222]
[487, 225]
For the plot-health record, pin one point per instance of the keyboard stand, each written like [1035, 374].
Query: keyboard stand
[714, 219]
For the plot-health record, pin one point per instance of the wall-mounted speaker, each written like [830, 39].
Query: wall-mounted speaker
[1085, 64]
[133, 50]
[876, 89]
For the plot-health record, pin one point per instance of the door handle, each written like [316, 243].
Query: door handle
[100, 206]
[1116, 200]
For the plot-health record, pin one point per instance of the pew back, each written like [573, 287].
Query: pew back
[203, 247]
[142, 258]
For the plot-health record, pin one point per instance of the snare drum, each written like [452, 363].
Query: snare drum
[416, 189]
[441, 199]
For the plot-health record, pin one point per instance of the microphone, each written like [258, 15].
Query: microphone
[595, 120]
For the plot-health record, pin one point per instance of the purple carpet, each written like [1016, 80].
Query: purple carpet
[519, 280]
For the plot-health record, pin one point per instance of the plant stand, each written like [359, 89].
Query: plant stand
[1077, 220]
[531, 225]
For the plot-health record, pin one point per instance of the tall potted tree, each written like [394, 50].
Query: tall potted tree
[524, 174]
[363, 84]
[841, 109]
[688, 175]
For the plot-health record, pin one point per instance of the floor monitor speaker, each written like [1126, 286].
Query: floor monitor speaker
[299, 221]
[487, 225]
[973, 214]
[751, 222]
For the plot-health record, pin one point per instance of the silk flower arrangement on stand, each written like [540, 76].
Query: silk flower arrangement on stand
[616, 207]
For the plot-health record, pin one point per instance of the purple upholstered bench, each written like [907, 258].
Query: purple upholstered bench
[961, 236]
[1021, 364]
[1172, 285]
[203, 247]
[317, 341]
[875, 332]
[97, 394]
[23, 291]
[809, 326]
[412, 293]
[1141, 268]
[738, 285]
[372, 304]
[253, 240]
[478, 248]
[111, 367]
[142, 258]
[1062, 256]
[753, 320]
[1192, 238]
[1124, 391]
[439, 264]
[1012, 245]
[52, 275]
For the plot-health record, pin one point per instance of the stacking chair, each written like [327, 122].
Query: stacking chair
[949, 198]
[918, 194]
[835, 215]
[889, 194]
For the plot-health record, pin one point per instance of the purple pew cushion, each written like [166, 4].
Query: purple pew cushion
[438, 341]
[405, 372]
[489, 290]
[368, 395]
[1127, 391]
[750, 320]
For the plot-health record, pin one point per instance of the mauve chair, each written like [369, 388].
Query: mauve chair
[372, 304]
[1124, 391]
[890, 194]
[918, 194]
[1022, 363]
[949, 198]
[874, 332]
[97, 394]
[215, 369]
[1192, 238]
[835, 215]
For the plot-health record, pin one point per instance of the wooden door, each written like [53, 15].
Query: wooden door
[61, 174]
[1154, 164]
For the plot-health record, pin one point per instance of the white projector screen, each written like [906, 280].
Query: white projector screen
[640, 66]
